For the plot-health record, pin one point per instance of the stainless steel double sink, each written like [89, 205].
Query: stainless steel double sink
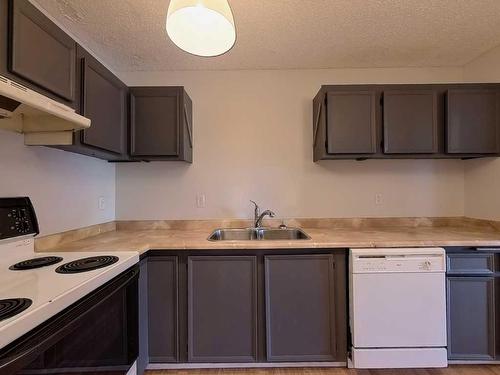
[256, 234]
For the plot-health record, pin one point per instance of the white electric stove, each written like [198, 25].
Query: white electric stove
[29, 297]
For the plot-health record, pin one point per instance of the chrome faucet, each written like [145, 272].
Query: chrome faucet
[258, 217]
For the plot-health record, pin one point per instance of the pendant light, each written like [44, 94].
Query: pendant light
[201, 27]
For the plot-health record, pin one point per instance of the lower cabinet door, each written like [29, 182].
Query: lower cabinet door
[222, 309]
[300, 308]
[471, 318]
[143, 358]
[163, 322]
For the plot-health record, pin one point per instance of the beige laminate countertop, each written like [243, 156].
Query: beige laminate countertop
[142, 240]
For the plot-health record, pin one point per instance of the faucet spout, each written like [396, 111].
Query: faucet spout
[258, 221]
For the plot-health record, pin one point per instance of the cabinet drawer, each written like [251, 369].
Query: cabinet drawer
[475, 263]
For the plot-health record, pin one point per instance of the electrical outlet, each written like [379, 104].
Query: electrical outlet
[101, 203]
[201, 200]
[378, 199]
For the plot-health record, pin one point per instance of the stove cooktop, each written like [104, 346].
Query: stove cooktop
[87, 264]
[33, 263]
[49, 291]
[12, 306]
[32, 276]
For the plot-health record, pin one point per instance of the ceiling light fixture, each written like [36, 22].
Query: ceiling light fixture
[201, 27]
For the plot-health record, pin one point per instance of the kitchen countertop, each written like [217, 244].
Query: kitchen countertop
[141, 238]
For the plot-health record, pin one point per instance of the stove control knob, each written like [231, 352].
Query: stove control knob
[23, 226]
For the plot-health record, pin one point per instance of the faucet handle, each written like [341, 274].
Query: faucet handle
[256, 209]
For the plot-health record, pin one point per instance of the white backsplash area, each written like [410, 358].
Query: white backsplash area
[482, 177]
[65, 188]
[253, 140]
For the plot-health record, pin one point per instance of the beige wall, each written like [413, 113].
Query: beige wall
[253, 141]
[64, 187]
[482, 177]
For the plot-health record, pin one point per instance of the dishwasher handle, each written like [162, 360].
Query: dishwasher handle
[488, 249]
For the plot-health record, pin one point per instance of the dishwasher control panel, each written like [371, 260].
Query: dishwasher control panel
[397, 260]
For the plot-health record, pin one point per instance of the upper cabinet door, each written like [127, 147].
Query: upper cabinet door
[161, 123]
[351, 122]
[40, 52]
[103, 99]
[473, 121]
[410, 122]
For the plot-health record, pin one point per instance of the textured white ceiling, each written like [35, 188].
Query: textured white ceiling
[129, 35]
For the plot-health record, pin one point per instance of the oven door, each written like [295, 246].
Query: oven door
[98, 334]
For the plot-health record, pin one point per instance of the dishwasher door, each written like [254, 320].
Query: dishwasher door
[398, 310]
[398, 297]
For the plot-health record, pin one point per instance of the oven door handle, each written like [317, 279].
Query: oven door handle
[41, 340]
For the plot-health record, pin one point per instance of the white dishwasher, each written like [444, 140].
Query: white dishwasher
[397, 305]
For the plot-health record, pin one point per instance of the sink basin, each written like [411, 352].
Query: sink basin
[256, 234]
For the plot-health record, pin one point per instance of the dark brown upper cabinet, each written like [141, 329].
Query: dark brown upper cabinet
[473, 121]
[410, 122]
[103, 99]
[37, 53]
[161, 123]
[351, 127]
[423, 121]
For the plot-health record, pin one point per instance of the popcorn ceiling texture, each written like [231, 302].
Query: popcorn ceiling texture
[129, 35]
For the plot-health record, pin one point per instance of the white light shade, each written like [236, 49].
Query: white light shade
[201, 27]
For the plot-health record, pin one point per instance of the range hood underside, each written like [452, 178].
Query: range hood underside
[42, 120]
[35, 128]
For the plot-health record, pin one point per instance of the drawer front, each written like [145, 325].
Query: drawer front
[475, 263]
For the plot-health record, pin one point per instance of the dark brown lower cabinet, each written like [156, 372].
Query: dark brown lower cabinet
[242, 306]
[163, 323]
[471, 318]
[305, 318]
[222, 309]
[143, 358]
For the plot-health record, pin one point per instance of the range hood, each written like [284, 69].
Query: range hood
[43, 121]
